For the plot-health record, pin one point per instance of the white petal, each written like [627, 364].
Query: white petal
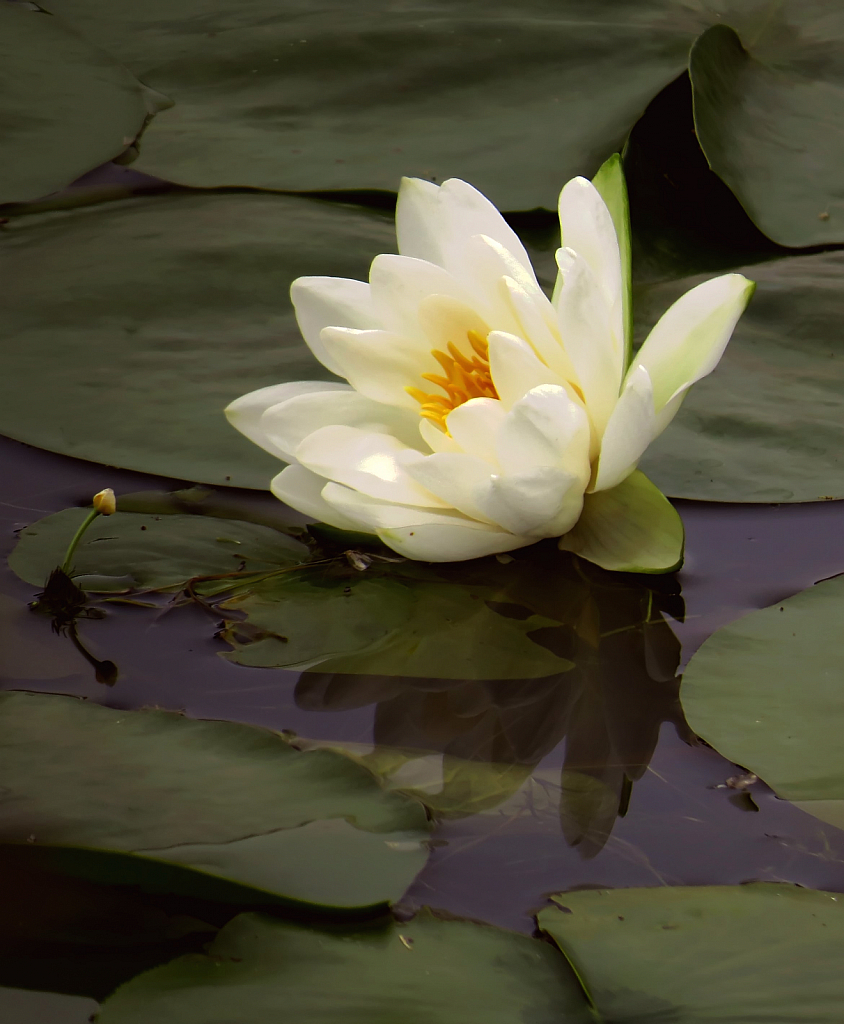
[301, 489]
[515, 368]
[290, 422]
[468, 212]
[379, 514]
[690, 338]
[462, 481]
[541, 502]
[417, 213]
[596, 353]
[474, 427]
[545, 428]
[245, 412]
[379, 364]
[444, 319]
[400, 283]
[444, 542]
[538, 325]
[630, 430]
[586, 226]
[331, 302]
[371, 463]
[436, 439]
[480, 264]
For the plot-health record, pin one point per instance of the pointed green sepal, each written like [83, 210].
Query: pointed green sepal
[610, 183]
[631, 528]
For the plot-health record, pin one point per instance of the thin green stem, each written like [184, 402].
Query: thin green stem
[77, 537]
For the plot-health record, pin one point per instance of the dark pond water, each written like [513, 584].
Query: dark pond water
[679, 824]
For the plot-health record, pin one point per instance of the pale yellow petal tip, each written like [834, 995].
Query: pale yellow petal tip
[105, 502]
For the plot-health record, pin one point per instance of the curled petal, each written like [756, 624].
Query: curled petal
[245, 413]
[301, 489]
[379, 364]
[689, 339]
[515, 368]
[331, 302]
[631, 428]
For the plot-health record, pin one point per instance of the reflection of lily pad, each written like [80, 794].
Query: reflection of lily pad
[386, 626]
[130, 326]
[768, 425]
[759, 952]
[228, 800]
[149, 552]
[451, 972]
[767, 693]
[65, 106]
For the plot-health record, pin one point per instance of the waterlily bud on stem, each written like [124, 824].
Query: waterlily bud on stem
[105, 503]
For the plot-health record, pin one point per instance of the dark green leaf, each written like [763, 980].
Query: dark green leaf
[770, 117]
[232, 801]
[130, 326]
[129, 550]
[766, 692]
[426, 970]
[65, 106]
[745, 954]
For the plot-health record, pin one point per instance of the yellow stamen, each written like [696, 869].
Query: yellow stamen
[463, 378]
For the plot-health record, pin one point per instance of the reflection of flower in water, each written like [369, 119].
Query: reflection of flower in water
[493, 733]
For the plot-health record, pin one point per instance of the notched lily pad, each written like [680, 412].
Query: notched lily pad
[260, 969]
[757, 952]
[231, 801]
[766, 692]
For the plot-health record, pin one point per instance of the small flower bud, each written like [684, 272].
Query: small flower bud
[105, 502]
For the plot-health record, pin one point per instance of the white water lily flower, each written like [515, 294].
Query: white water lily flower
[479, 415]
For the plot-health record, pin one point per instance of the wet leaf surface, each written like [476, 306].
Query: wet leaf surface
[766, 692]
[66, 107]
[232, 801]
[756, 952]
[426, 969]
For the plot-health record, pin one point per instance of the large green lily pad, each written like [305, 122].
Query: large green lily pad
[769, 113]
[750, 953]
[768, 424]
[129, 327]
[130, 550]
[285, 95]
[767, 693]
[231, 801]
[260, 969]
[65, 106]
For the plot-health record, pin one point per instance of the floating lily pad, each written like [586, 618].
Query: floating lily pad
[758, 952]
[65, 106]
[129, 550]
[768, 424]
[769, 113]
[260, 969]
[231, 801]
[130, 326]
[767, 693]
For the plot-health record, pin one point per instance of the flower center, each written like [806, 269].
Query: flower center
[463, 377]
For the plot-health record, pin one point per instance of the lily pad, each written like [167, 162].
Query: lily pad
[766, 693]
[260, 969]
[65, 106]
[770, 118]
[131, 325]
[768, 424]
[758, 952]
[149, 552]
[231, 801]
